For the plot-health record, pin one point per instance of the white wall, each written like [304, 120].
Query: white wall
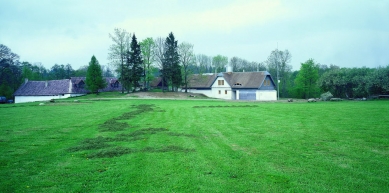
[25, 99]
[222, 88]
[266, 95]
[207, 93]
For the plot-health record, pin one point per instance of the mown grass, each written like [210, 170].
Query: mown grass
[194, 146]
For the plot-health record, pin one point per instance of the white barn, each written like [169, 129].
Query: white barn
[235, 85]
[32, 91]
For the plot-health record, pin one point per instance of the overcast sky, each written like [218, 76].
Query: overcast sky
[347, 33]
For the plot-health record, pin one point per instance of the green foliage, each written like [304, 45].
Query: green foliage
[94, 78]
[171, 69]
[147, 46]
[136, 61]
[354, 82]
[81, 72]
[315, 147]
[133, 70]
[219, 62]
[10, 71]
[378, 81]
[6, 91]
[306, 80]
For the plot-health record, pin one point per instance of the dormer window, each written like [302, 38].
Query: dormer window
[266, 83]
[237, 84]
[81, 85]
[115, 84]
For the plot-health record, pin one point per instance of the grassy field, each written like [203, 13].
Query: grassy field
[138, 145]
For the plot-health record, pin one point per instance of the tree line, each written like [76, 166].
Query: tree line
[13, 72]
[137, 64]
[314, 79]
[166, 58]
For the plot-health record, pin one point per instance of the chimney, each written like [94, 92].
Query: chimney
[25, 80]
[46, 84]
[229, 69]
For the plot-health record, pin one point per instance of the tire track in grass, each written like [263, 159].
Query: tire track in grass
[220, 160]
[101, 147]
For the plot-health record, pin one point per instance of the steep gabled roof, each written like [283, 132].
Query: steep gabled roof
[43, 88]
[155, 82]
[108, 88]
[201, 80]
[245, 79]
[110, 82]
[234, 79]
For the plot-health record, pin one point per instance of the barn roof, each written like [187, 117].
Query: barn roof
[108, 88]
[155, 82]
[43, 88]
[65, 86]
[201, 80]
[245, 79]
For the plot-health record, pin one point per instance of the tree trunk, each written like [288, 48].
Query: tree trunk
[121, 75]
[186, 85]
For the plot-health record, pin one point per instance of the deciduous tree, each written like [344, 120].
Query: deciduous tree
[148, 52]
[278, 66]
[219, 62]
[118, 50]
[10, 71]
[306, 80]
[203, 64]
[187, 56]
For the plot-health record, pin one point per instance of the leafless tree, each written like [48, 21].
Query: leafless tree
[278, 65]
[118, 50]
[159, 50]
[187, 57]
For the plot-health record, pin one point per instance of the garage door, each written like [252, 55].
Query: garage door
[247, 95]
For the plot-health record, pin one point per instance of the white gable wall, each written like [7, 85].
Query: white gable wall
[222, 88]
[266, 95]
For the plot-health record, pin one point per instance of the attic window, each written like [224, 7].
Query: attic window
[237, 84]
[266, 83]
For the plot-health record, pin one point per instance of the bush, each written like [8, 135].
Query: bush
[326, 96]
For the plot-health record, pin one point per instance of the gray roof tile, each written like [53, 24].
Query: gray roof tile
[235, 79]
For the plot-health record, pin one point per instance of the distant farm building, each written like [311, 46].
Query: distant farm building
[234, 85]
[32, 91]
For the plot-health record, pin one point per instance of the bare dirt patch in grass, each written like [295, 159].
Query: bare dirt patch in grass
[105, 146]
[225, 106]
[167, 95]
[112, 125]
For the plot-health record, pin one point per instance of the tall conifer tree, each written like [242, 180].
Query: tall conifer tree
[134, 70]
[94, 77]
[171, 68]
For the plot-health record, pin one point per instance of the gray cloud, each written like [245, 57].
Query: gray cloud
[344, 33]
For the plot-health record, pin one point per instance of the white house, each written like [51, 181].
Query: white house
[32, 91]
[235, 85]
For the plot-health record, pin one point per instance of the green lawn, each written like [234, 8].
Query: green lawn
[140, 145]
